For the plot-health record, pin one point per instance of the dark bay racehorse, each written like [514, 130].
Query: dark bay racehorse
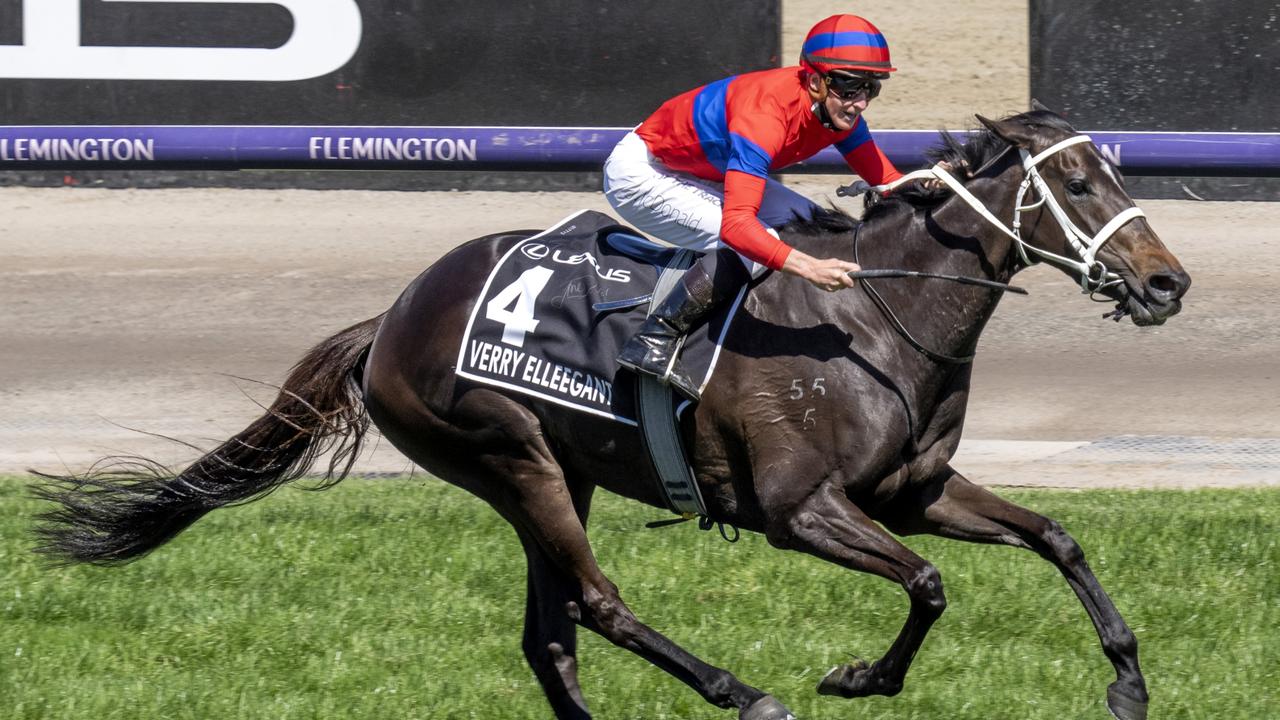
[824, 427]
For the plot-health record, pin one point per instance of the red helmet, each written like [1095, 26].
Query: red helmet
[845, 42]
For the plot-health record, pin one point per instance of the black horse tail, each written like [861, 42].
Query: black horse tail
[123, 508]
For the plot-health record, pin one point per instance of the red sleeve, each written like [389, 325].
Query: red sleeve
[741, 229]
[870, 163]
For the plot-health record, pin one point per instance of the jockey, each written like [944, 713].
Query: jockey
[696, 174]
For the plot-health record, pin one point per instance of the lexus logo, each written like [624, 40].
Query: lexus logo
[326, 34]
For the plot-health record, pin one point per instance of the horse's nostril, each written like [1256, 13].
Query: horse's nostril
[1167, 286]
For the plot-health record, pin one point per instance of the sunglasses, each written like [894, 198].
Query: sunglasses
[849, 87]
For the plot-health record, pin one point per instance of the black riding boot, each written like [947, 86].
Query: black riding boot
[654, 350]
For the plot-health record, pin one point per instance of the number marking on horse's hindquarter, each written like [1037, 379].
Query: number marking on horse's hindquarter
[798, 392]
[797, 388]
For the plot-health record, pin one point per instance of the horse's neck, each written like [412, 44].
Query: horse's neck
[951, 239]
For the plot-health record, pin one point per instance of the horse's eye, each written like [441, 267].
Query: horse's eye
[1077, 187]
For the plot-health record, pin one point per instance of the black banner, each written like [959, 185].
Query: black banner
[1169, 65]
[370, 62]
[1184, 65]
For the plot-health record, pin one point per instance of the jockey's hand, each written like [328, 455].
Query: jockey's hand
[831, 274]
[935, 183]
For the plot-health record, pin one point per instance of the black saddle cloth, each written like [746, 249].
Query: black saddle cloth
[557, 308]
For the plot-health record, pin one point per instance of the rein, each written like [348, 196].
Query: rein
[962, 279]
[860, 187]
[892, 317]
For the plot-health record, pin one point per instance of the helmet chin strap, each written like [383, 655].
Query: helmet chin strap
[819, 98]
[820, 109]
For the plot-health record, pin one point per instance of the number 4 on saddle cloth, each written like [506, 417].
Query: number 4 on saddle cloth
[558, 307]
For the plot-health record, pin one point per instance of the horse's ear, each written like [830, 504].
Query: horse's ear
[1014, 133]
[1037, 105]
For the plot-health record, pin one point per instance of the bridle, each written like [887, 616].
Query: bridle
[1093, 274]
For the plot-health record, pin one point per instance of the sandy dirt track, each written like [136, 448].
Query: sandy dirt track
[138, 308]
[135, 307]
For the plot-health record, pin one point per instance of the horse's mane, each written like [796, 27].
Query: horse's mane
[825, 221]
[967, 158]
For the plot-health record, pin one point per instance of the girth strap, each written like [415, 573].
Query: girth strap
[658, 424]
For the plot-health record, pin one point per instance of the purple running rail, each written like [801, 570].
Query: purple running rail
[529, 148]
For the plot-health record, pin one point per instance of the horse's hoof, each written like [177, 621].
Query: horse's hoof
[857, 679]
[1125, 707]
[841, 679]
[766, 708]
[831, 683]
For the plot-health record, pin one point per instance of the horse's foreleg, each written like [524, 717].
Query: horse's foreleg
[964, 511]
[829, 526]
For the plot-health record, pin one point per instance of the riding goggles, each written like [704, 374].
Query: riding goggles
[849, 87]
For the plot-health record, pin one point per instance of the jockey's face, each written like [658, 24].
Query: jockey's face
[843, 109]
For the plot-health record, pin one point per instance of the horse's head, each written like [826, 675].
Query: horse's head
[1074, 212]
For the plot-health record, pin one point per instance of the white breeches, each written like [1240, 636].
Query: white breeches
[682, 209]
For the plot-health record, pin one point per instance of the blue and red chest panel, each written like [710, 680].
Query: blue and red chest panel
[738, 130]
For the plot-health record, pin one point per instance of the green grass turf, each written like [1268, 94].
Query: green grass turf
[404, 599]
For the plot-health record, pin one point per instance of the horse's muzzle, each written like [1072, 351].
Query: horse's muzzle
[1151, 301]
[1156, 299]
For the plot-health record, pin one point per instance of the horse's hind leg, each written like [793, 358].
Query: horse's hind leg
[494, 448]
[550, 635]
[961, 510]
[829, 526]
[544, 515]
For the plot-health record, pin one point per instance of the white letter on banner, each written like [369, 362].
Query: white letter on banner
[1111, 153]
[326, 34]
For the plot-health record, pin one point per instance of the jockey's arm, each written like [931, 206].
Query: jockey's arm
[866, 158]
[741, 229]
